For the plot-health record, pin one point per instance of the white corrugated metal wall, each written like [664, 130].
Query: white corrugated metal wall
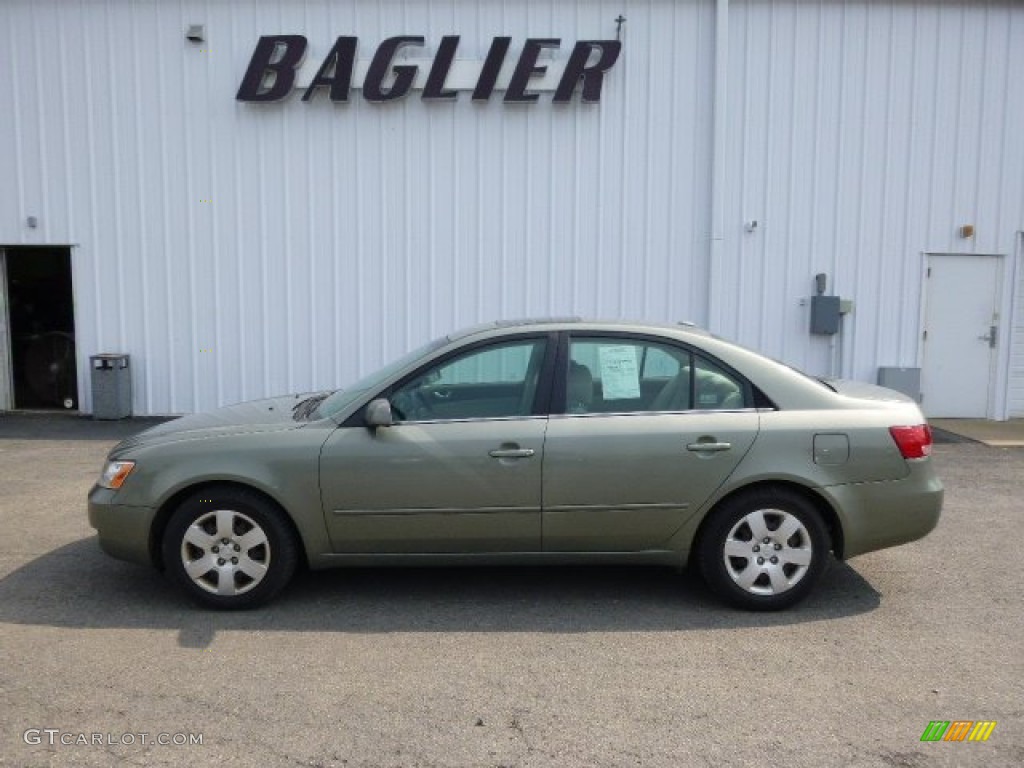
[861, 135]
[241, 250]
[244, 250]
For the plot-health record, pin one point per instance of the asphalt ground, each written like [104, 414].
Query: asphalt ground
[503, 667]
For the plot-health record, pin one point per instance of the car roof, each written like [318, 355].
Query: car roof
[569, 323]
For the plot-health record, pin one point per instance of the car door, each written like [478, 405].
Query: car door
[647, 431]
[460, 469]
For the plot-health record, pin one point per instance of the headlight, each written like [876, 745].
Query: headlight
[115, 473]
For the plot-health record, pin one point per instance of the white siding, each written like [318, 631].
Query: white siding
[339, 236]
[859, 135]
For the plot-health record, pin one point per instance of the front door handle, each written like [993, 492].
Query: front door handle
[708, 447]
[511, 453]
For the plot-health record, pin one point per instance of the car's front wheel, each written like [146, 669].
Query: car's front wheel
[229, 548]
[764, 550]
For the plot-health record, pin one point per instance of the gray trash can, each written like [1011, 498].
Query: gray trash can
[111, 386]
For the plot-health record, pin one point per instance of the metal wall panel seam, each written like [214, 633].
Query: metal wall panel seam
[911, 326]
[672, 243]
[139, 363]
[649, 163]
[1004, 101]
[771, 235]
[287, 130]
[81, 355]
[219, 200]
[739, 180]
[117, 228]
[261, 198]
[932, 244]
[792, 252]
[41, 137]
[990, 239]
[818, 129]
[243, 275]
[623, 218]
[860, 201]
[878, 278]
[841, 165]
[65, 135]
[317, 249]
[717, 190]
[10, 193]
[92, 252]
[190, 221]
[19, 149]
[168, 370]
[959, 152]
[551, 273]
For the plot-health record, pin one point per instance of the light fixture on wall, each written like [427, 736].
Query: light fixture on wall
[32, 222]
[966, 231]
[196, 33]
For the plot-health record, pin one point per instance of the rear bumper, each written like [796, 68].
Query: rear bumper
[123, 530]
[885, 514]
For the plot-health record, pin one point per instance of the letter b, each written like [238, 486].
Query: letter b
[254, 86]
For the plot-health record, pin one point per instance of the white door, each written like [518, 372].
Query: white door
[961, 333]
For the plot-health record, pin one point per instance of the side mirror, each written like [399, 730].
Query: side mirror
[378, 413]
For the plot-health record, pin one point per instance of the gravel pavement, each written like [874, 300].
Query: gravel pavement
[501, 666]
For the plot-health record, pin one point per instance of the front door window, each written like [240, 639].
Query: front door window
[497, 381]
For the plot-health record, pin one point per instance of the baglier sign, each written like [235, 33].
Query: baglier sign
[276, 60]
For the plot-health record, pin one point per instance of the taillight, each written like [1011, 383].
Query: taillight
[913, 442]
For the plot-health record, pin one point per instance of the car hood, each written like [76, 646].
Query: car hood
[268, 415]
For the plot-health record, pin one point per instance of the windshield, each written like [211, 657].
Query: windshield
[344, 397]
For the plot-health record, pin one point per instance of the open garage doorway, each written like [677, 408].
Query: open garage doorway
[37, 329]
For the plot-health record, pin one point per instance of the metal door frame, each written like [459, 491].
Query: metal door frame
[6, 350]
[6, 360]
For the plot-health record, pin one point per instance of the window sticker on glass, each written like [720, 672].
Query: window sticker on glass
[620, 375]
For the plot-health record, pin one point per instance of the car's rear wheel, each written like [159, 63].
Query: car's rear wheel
[764, 550]
[229, 548]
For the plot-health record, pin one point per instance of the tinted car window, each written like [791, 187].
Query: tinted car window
[617, 375]
[487, 382]
[716, 389]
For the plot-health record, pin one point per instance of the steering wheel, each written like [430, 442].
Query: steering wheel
[423, 409]
[410, 404]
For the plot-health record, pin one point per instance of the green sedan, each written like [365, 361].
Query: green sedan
[554, 441]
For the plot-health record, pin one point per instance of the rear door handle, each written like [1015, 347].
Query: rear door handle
[511, 453]
[708, 447]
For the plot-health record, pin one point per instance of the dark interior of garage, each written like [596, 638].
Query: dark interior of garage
[42, 328]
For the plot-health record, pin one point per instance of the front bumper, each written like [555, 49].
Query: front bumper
[884, 514]
[123, 530]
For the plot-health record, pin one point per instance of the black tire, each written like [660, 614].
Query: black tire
[249, 548]
[747, 577]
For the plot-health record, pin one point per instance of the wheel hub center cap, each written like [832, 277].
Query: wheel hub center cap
[226, 550]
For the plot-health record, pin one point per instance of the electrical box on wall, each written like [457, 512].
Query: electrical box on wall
[825, 315]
